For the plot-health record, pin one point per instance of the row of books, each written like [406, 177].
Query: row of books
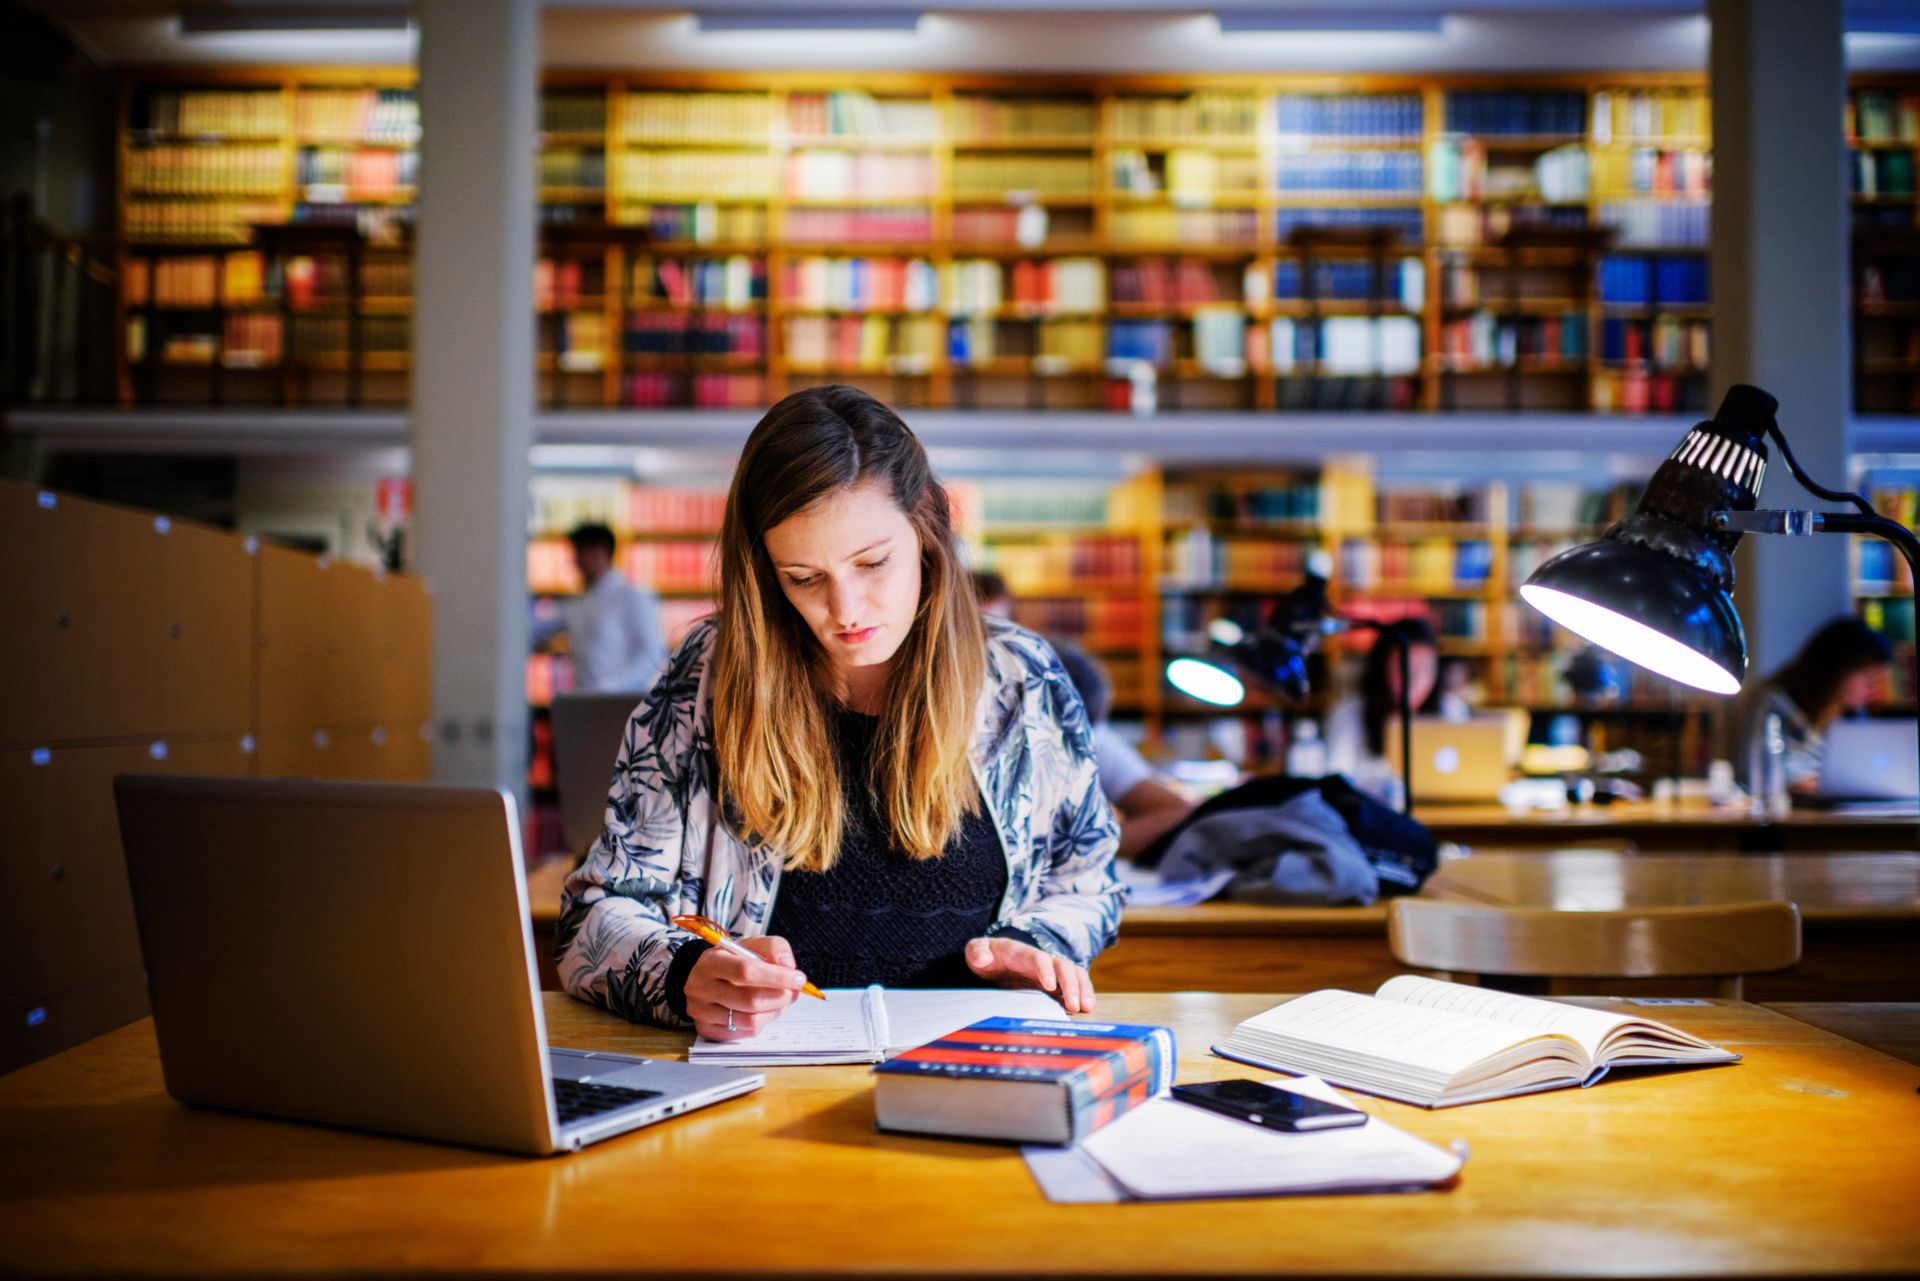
[984, 285]
[1465, 226]
[673, 334]
[1170, 281]
[662, 508]
[684, 173]
[870, 226]
[1032, 226]
[197, 221]
[1370, 172]
[309, 278]
[1635, 115]
[1657, 223]
[1569, 505]
[1350, 115]
[1197, 558]
[655, 115]
[1638, 391]
[577, 341]
[1883, 173]
[1249, 504]
[698, 391]
[573, 167]
[1002, 175]
[1433, 505]
[1052, 346]
[1640, 280]
[1189, 174]
[1509, 113]
[1666, 342]
[222, 113]
[899, 344]
[366, 115]
[988, 118]
[374, 172]
[1877, 568]
[860, 284]
[1042, 503]
[383, 224]
[699, 222]
[1338, 346]
[1229, 117]
[1883, 115]
[1046, 567]
[1894, 620]
[557, 503]
[205, 171]
[547, 675]
[1459, 620]
[857, 175]
[1657, 171]
[564, 282]
[1464, 169]
[1429, 564]
[577, 112]
[735, 282]
[1485, 338]
[672, 565]
[1405, 284]
[1165, 226]
[192, 282]
[1112, 622]
[854, 114]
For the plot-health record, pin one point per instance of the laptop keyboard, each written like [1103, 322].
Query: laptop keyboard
[579, 1100]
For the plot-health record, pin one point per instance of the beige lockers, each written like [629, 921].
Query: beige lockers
[132, 643]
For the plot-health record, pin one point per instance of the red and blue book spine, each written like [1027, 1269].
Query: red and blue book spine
[1105, 1069]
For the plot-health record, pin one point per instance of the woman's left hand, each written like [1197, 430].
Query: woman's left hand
[1011, 963]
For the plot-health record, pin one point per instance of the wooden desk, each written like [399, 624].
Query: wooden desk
[1802, 1161]
[1668, 829]
[1891, 1027]
[1860, 916]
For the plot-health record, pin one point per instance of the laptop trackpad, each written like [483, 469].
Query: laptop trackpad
[609, 1069]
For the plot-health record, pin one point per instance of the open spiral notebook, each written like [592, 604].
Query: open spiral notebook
[870, 1025]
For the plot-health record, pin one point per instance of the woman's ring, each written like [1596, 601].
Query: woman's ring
[729, 1020]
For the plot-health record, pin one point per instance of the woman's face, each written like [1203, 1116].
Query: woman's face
[1858, 689]
[1423, 667]
[851, 565]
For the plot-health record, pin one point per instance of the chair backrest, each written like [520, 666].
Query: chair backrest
[1722, 940]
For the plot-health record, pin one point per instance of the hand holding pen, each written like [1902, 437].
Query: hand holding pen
[739, 986]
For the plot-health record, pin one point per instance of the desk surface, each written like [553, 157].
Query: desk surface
[1802, 1160]
[1891, 1027]
[1653, 815]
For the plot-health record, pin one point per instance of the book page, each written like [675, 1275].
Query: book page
[915, 1016]
[1170, 1149]
[807, 1029]
[1427, 1039]
[1588, 1027]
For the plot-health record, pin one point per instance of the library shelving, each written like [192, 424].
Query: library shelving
[1883, 132]
[1020, 242]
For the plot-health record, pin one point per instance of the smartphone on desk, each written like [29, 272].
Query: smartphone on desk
[1268, 1105]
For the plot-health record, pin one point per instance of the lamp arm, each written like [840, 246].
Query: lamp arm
[1807, 482]
[1406, 725]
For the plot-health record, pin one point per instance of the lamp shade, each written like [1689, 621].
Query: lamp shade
[1657, 587]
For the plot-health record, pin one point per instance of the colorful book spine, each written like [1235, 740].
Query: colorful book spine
[1104, 1069]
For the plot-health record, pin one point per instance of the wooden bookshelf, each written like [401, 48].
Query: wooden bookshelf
[1195, 184]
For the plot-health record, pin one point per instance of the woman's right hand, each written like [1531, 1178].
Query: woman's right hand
[754, 992]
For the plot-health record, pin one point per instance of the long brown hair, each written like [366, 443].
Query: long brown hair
[771, 710]
[1834, 653]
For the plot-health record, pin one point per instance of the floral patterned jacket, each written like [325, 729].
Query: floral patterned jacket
[664, 852]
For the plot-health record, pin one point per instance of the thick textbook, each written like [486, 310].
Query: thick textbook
[866, 1025]
[1024, 1080]
[1438, 1044]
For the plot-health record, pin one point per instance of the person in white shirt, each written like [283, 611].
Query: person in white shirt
[1146, 807]
[613, 627]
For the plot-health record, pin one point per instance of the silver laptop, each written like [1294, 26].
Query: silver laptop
[587, 732]
[360, 954]
[1870, 760]
[1461, 761]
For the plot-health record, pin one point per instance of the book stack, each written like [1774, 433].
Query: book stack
[1024, 1080]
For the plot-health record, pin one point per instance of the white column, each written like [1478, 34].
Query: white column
[472, 420]
[1780, 268]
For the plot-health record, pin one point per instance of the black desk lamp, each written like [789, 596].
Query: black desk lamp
[1274, 657]
[1655, 589]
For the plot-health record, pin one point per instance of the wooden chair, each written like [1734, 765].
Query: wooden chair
[1723, 941]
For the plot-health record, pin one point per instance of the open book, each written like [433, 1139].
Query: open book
[867, 1025]
[1436, 1044]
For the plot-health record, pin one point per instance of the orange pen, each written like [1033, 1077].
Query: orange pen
[714, 934]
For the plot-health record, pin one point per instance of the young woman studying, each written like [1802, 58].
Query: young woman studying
[1835, 672]
[847, 766]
